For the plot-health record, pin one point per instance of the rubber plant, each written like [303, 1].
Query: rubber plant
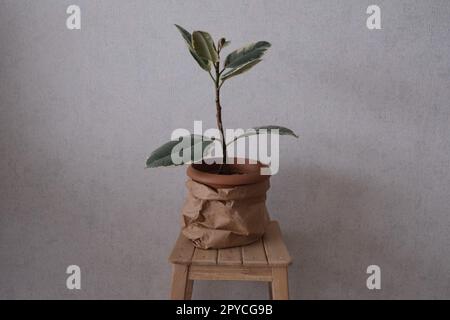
[208, 56]
[226, 201]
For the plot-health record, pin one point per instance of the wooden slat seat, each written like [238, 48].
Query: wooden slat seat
[265, 260]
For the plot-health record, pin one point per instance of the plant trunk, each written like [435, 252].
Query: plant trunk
[219, 113]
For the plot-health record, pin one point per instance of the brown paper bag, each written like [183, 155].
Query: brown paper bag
[223, 218]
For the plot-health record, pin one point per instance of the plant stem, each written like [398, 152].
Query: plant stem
[219, 112]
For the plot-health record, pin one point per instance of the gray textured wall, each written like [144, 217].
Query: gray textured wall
[367, 183]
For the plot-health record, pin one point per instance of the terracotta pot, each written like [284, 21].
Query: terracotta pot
[233, 174]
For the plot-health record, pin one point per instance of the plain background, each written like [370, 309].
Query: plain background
[367, 182]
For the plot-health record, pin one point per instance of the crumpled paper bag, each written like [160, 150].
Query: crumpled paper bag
[224, 218]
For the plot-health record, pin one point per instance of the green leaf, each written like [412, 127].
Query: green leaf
[203, 63]
[162, 157]
[282, 131]
[246, 54]
[240, 70]
[204, 46]
[223, 43]
[186, 35]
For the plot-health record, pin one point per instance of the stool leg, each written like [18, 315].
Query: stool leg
[180, 286]
[189, 289]
[280, 289]
[270, 290]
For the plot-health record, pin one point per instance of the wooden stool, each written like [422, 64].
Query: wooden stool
[265, 260]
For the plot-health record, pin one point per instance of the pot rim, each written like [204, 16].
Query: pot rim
[249, 174]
